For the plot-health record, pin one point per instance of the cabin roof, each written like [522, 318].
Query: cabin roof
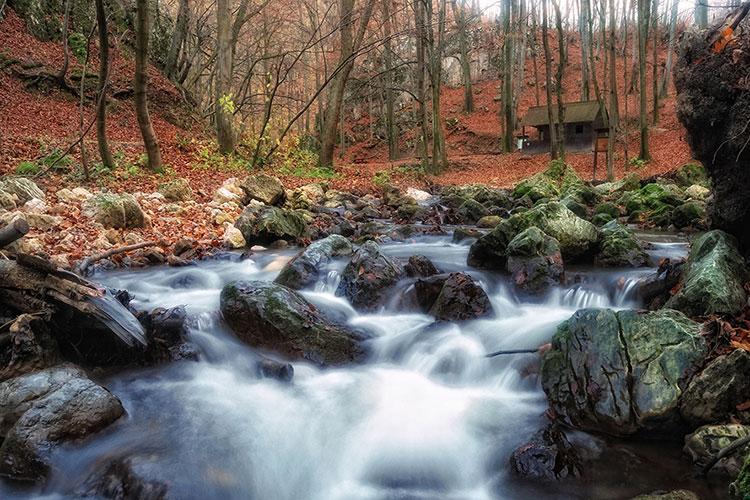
[575, 112]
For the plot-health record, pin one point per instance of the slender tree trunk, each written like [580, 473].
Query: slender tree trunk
[436, 34]
[701, 13]
[507, 78]
[535, 54]
[101, 98]
[390, 121]
[672, 36]
[178, 39]
[420, 73]
[143, 27]
[66, 52]
[562, 62]
[655, 61]
[223, 99]
[459, 12]
[548, 82]
[586, 48]
[643, 6]
[613, 106]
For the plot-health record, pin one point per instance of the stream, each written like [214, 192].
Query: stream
[428, 417]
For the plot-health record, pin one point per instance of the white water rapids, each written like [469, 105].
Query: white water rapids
[428, 417]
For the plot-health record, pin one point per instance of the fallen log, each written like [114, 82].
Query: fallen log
[13, 231]
[84, 264]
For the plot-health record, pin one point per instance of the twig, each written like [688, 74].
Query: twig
[725, 452]
[511, 351]
[82, 266]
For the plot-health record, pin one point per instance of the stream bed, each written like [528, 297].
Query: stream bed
[427, 417]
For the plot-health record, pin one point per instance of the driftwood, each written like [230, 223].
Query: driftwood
[13, 231]
[84, 264]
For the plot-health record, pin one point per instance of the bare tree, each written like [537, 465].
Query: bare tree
[435, 45]
[101, 99]
[548, 83]
[223, 100]
[643, 13]
[459, 9]
[143, 27]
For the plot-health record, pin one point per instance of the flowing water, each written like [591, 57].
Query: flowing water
[428, 417]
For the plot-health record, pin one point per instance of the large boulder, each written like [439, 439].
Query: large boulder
[304, 269]
[452, 297]
[23, 189]
[713, 395]
[116, 211]
[713, 281]
[559, 179]
[261, 224]
[272, 316]
[619, 247]
[535, 261]
[622, 372]
[689, 214]
[547, 456]
[263, 188]
[368, 276]
[490, 251]
[420, 266]
[306, 197]
[703, 444]
[39, 410]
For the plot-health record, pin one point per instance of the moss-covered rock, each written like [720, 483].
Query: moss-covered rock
[261, 224]
[307, 196]
[619, 247]
[177, 190]
[490, 250]
[489, 221]
[115, 210]
[559, 179]
[630, 182]
[703, 444]
[601, 219]
[697, 192]
[713, 281]
[608, 208]
[690, 174]
[470, 212]
[651, 198]
[574, 206]
[272, 316]
[622, 372]
[305, 268]
[534, 260]
[740, 489]
[668, 495]
[689, 214]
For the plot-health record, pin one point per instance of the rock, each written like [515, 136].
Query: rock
[534, 261]
[714, 394]
[77, 195]
[307, 196]
[176, 190]
[691, 174]
[703, 444]
[713, 280]
[274, 317]
[123, 479]
[7, 201]
[462, 233]
[608, 208]
[470, 212]
[262, 188]
[697, 192]
[690, 213]
[559, 179]
[654, 290]
[459, 298]
[740, 489]
[167, 335]
[269, 368]
[263, 224]
[619, 247]
[42, 222]
[574, 206]
[418, 195]
[305, 268]
[668, 495]
[489, 221]
[24, 189]
[367, 278]
[630, 182]
[601, 219]
[652, 198]
[45, 408]
[233, 238]
[410, 212]
[35, 206]
[490, 250]
[547, 456]
[420, 266]
[228, 192]
[115, 211]
[622, 372]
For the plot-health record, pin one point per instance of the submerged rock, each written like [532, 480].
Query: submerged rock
[272, 316]
[619, 247]
[548, 456]
[420, 266]
[263, 225]
[368, 276]
[263, 188]
[713, 395]
[703, 444]
[305, 268]
[457, 297]
[534, 261]
[42, 409]
[713, 280]
[122, 479]
[622, 372]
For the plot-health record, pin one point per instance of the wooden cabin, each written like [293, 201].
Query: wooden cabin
[584, 122]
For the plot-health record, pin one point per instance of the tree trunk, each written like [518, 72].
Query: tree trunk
[672, 36]
[535, 55]
[101, 99]
[459, 12]
[178, 39]
[655, 61]
[66, 53]
[223, 99]
[435, 49]
[586, 48]
[420, 74]
[643, 7]
[562, 62]
[143, 27]
[701, 13]
[613, 106]
[548, 82]
[507, 78]
[390, 122]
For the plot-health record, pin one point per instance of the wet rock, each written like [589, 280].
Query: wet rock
[489, 221]
[176, 190]
[558, 180]
[714, 394]
[167, 335]
[622, 372]
[459, 298]
[547, 456]
[462, 233]
[115, 210]
[619, 247]
[490, 250]
[534, 261]
[655, 289]
[689, 214]
[274, 317]
[23, 189]
[31, 346]
[263, 225]
[233, 238]
[367, 278]
[703, 444]
[123, 479]
[668, 495]
[269, 368]
[470, 212]
[305, 268]
[263, 188]
[420, 266]
[45, 408]
[713, 280]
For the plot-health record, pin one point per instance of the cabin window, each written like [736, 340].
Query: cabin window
[579, 129]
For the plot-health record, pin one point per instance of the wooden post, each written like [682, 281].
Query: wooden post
[13, 231]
